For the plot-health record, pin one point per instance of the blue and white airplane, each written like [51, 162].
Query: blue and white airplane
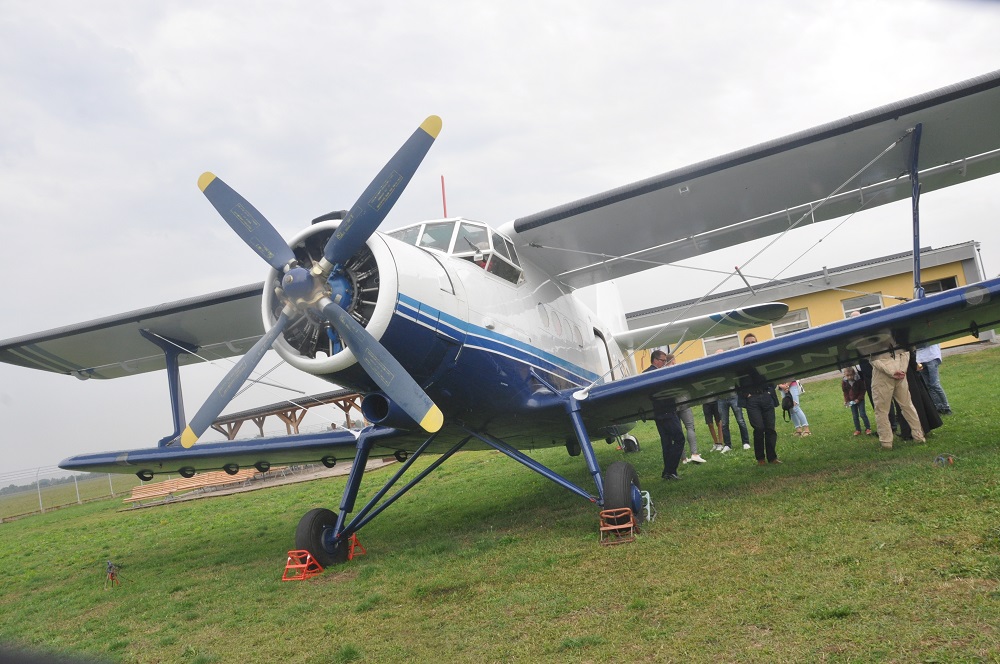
[464, 336]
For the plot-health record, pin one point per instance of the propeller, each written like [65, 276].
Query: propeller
[376, 201]
[252, 227]
[302, 289]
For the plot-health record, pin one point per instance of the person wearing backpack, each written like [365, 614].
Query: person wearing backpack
[791, 408]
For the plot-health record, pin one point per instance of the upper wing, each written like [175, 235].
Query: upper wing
[720, 323]
[763, 190]
[939, 317]
[217, 325]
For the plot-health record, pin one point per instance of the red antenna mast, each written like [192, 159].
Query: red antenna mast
[444, 199]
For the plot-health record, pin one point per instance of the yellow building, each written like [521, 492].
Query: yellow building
[823, 297]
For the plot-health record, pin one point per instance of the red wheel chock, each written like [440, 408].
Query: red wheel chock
[618, 526]
[300, 566]
[354, 547]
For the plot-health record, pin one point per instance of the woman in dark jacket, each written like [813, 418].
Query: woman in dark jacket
[930, 418]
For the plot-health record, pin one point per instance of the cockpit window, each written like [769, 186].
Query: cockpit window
[473, 241]
[437, 235]
[472, 237]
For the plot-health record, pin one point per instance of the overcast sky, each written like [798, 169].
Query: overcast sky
[109, 112]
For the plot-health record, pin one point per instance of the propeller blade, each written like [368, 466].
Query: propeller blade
[376, 201]
[383, 368]
[233, 381]
[255, 230]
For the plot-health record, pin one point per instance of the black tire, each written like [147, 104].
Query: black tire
[309, 537]
[231, 468]
[186, 472]
[145, 475]
[572, 446]
[262, 466]
[618, 482]
[401, 455]
[629, 444]
[329, 461]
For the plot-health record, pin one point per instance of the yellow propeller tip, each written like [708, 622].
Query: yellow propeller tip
[433, 420]
[432, 125]
[205, 180]
[188, 438]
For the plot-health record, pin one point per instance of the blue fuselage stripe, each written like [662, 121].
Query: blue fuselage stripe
[480, 338]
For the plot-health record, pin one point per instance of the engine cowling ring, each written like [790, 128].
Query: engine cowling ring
[376, 322]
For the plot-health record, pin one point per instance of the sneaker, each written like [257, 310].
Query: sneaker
[775, 461]
[886, 446]
[685, 460]
[727, 448]
[868, 432]
[716, 448]
[672, 476]
[857, 433]
[762, 463]
[696, 458]
[945, 411]
[746, 446]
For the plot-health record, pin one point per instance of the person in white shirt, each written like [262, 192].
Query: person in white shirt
[930, 358]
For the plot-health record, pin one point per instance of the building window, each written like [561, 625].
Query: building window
[725, 342]
[873, 301]
[939, 285]
[793, 321]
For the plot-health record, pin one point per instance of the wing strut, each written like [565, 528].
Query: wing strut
[172, 350]
[918, 290]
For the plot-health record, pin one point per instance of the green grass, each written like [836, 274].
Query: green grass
[844, 553]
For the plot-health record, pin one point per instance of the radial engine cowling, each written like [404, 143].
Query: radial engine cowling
[367, 289]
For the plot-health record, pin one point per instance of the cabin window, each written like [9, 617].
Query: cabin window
[793, 321]
[852, 304]
[724, 342]
[939, 285]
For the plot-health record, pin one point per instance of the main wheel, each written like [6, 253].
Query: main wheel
[622, 489]
[309, 537]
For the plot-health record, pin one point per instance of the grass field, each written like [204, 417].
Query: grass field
[844, 553]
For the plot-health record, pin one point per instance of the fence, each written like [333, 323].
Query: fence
[37, 490]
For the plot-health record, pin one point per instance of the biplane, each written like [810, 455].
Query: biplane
[462, 335]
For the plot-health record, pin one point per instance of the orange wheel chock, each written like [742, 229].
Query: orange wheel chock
[300, 566]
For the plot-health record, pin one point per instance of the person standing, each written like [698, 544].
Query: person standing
[668, 425]
[758, 398]
[798, 416]
[710, 410]
[729, 402]
[855, 390]
[888, 383]
[687, 417]
[929, 357]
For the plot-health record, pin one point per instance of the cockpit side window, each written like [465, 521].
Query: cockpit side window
[408, 235]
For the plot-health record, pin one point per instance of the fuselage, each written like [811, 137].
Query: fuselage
[479, 329]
